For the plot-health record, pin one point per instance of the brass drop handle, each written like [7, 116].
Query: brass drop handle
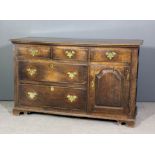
[31, 71]
[32, 95]
[71, 75]
[33, 51]
[70, 53]
[72, 98]
[110, 55]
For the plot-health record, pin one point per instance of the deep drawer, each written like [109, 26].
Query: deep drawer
[70, 53]
[33, 51]
[111, 54]
[52, 96]
[52, 71]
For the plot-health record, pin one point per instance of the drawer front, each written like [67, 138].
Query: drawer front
[50, 71]
[70, 53]
[52, 96]
[33, 51]
[111, 54]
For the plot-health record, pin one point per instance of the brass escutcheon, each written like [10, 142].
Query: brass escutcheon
[51, 66]
[92, 84]
[52, 88]
[127, 74]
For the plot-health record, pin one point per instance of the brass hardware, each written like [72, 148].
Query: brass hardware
[52, 88]
[110, 55]
[51, 66]
[72, 98]
[70, 54]
[127, 74]
[92, 84]
[32, 95]
[33, 51]
[31, 71]
[72, 74]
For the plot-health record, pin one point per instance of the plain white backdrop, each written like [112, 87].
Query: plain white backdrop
[77, 9]
[108, 29]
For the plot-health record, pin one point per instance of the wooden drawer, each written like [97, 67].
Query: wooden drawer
[52, 96]
[33, 51]
[70, 53]
[52, 71]
[111, 54]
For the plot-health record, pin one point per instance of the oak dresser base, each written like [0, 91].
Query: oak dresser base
[77, 77]
[121, 120]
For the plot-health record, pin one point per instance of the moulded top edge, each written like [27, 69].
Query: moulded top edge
[79, 42]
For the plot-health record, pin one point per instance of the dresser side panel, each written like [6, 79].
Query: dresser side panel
[133, 82]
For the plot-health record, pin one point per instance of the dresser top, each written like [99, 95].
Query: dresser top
[77, 42]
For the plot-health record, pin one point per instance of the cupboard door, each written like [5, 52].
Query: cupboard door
[109, 89]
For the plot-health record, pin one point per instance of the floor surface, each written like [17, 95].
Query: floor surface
[42, 123]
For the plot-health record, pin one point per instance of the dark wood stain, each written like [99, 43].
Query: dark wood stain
[56, 98]
[98, 80]
[80, 54]
[52, 71]
[77, 42]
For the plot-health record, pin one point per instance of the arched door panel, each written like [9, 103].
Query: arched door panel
[109, 88]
